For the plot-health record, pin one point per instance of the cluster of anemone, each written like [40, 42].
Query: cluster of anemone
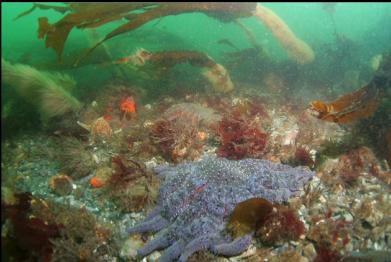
[179, 136]
[131, 187]
[74, 157]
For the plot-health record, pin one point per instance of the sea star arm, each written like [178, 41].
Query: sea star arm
[236, 247]
[153, 225]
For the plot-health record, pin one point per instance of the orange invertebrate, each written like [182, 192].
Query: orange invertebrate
[101, 128]
[128, 107]
[96, 182]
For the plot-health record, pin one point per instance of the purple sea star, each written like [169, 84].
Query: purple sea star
[196, 199]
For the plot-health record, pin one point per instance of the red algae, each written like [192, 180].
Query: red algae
[31, 234]
[281, 224]
[330, 235]
[240, 137]
[326, 255]
[303, 157]
[354, 164]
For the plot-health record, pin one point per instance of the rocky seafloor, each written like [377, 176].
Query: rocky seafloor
[345, 207]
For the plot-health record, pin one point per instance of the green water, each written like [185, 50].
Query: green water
[344, 41]
[73, 123]
[366, 23]
[362, 30]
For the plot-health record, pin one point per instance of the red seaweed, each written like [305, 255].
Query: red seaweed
[326, 255]
[240, 137]
[352, 166]
[303, 157]
[31, 233]
[281, 224]
[329, 236]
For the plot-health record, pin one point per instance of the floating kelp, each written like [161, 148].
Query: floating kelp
[163, 61]
[227, 42]
[251, 37]
[81, 15]
[93, 15]
[297, 49]
[223, 11]
[348, 108]
[359, 104]
[61, 9]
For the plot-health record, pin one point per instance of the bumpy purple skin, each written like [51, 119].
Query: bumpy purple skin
[196, 199]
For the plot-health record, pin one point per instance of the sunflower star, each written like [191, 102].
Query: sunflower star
[196, 199]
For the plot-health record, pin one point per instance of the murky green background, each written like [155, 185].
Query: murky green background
[367, 23]
[342, 64]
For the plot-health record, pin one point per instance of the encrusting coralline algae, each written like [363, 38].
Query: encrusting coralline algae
[196, 199]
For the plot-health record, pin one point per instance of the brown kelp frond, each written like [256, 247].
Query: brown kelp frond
[218, 76]
[90, 15]
[360, 104]
[348, 108]
[248, 216]
[297, 49]
[250, 35]
[215, 73]
[61, 9]
[171, 58]
[81, 15]
[234, 10]
[221, 11]
[43, 89]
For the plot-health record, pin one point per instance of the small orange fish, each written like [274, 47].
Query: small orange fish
[128, 107]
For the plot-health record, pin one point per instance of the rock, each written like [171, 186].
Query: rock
[130, 246]
[154, 256]
[309, 252]
[348, 217]
[248, 253]
[375, 218]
